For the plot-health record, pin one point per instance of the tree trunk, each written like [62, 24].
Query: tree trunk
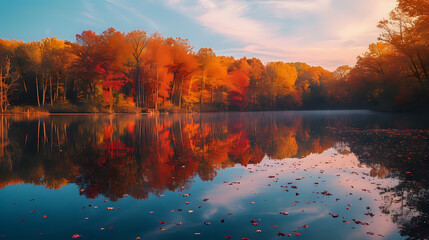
[423, 67]
[173, 89]
[43, 94]
[142, 93]
[180, 92]
[58, 87]
[65, 89]
[202, 89]
[137, 80]
[157, 87]
[107, 79]
[111, 97]
[211, 95]
[190, 85]
[1, 89]
[50, 89]
[416, 71]
[37, 91]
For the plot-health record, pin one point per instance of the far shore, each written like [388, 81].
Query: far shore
[34, 111]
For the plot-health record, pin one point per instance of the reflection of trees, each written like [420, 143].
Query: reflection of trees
[142, 155]
[403, 154]
[116, 156]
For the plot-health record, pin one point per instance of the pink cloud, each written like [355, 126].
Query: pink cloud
[322, 32]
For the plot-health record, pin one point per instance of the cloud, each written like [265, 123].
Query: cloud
[321, 32]
[130, 10]
[90, 14]
[225, 17]
[295, 8]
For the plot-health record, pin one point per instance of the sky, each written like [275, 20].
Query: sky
[326, 33]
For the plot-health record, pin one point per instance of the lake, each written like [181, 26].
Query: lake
[263, 175]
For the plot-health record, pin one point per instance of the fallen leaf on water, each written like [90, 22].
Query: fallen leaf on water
[369, 214]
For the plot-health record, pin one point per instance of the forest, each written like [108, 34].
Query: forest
[137, 72]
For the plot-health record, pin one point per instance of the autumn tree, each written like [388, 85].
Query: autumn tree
[138, 40]
[183, 66]
[407, 32]
[113, 51]
[157, 78]
[338, 91]
[281, 78]
[206, 57]
[256, 73]
[9, 73]
[87, 61]
[29, 60]
[53, 60]
[379, 76]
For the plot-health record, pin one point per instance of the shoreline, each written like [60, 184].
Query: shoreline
[205, 112]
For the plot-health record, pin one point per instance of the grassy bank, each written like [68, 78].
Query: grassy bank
[67, 107]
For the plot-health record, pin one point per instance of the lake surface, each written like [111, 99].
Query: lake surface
[267, 175]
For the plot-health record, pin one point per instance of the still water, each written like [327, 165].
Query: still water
[269, 175]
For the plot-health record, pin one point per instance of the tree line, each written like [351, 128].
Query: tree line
[116, 71]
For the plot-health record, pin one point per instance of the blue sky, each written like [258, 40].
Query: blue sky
[328, 33]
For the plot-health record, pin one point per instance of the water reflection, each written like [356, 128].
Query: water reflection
[118, 156]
